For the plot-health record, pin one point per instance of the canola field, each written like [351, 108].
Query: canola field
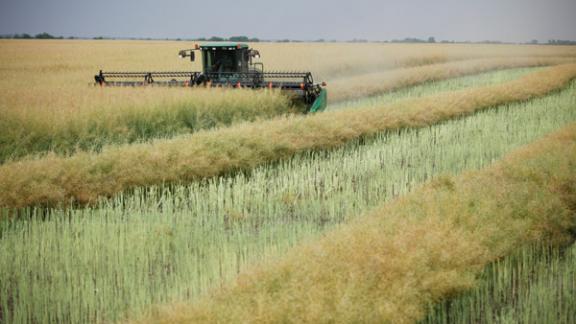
[430, 178]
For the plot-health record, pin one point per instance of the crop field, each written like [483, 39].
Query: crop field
[437, 187]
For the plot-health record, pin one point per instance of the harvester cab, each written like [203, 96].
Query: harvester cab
[227, 65]
[226, 57]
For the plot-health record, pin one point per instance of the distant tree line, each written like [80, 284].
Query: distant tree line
[211, 39]
[414, 40]
[247, 39]
[28, 36]
[561, 42]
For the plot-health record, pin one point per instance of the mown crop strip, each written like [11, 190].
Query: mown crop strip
[389, 265]
[85, 177]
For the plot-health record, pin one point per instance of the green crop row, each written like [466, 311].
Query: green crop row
[534, 285]
[161, 244]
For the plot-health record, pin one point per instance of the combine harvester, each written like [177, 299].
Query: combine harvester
[226, 65]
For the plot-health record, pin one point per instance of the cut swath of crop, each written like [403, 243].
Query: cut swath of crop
[390, 264]
[84, 177]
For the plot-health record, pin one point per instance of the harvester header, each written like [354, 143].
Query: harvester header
[225, 64]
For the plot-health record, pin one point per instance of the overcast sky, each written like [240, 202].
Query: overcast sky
[474, 20]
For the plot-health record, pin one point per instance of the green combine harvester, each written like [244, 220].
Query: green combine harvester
[226, 65]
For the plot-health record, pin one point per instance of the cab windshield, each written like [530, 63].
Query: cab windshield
[220, 60]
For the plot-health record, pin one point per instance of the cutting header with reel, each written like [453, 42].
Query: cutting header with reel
[226, 65]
